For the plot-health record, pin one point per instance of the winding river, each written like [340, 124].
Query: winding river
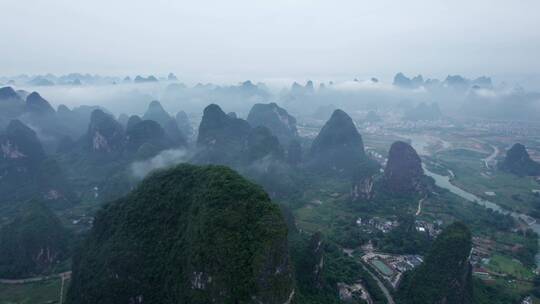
[420, 143]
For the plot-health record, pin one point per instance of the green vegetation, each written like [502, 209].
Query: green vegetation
[495, 293]
[511, 267]
[47, 291]
[405, 239]
[34, 243]
[187, 234]
[338, 268]
[338, 148]
[445, 275]
[511, 191]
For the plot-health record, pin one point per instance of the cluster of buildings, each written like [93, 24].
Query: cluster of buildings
[83, 221]
[504, 128]
[432, 229]
[481, 252]
[420, 125]
[386, 225]
[381, 224]
[350, 293]
[391, 267]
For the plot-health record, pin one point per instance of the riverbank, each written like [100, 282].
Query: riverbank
[420, 144]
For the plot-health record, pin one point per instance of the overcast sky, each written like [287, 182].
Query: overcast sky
[271, 39]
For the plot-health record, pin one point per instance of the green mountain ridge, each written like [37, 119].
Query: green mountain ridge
[187, 234]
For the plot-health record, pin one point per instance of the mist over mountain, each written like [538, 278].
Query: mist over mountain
[106, 154]
[270, 152]
[304, 153]
[455, 96]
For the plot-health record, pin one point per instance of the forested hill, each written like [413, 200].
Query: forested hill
[186, 235]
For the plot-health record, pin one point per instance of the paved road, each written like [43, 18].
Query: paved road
[491, 157]
[419, 210]
[63, 275]
[387, 294]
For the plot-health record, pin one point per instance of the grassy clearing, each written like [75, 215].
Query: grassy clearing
[32, 293]
[512, 192]
[512, 267]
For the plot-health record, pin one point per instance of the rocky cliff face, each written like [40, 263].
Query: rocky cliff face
[276, 119]
[518, 161]
[363, 181]
[363, 189]
[445, 275]
[403, 171]
[20, 143]
[189, 235]
[105, 134]
[8, 93]
[338, 149]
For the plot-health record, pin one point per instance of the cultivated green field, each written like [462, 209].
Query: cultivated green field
[509, 266]
[510, 191]
[32, 293]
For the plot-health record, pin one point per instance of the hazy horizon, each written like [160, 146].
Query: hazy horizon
[235, 40]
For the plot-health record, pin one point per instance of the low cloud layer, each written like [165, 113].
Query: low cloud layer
[164, 159]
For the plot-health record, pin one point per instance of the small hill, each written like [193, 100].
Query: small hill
[157, 113]
[11, 104]
[7, 93]
[445, 275]
[132, 121]
[186, 235]
[123, 119]
[142, 79]
[25, 170]
[33, 243]
[221, 138]
[338, 148]
[403, 171]
[37, 105]
[400, 80]
[21, 143]
[518, 161]
[147, 132]
[105, 134]
[276, 119]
